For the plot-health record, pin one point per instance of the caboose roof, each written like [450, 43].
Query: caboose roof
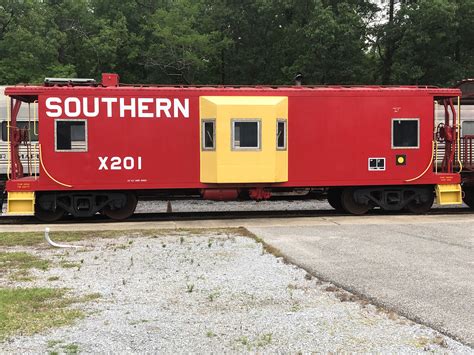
[124, 89]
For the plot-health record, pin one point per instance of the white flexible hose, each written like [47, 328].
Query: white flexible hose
[57, 245]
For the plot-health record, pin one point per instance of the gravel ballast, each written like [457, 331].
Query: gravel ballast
[210, 293]
[239, 206]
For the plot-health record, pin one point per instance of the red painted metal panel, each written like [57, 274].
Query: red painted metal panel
[332, 133]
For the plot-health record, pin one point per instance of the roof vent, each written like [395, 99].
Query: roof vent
[69, 82]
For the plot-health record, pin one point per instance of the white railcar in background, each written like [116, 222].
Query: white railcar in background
[27, 117]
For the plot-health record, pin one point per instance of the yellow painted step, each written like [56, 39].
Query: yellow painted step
[449, 194]
[21, 204]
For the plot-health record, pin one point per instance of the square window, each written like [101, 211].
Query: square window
[208, 134]
[71, 135]
[246, 134]
[405, 133]
[281, 134]
[467, 128]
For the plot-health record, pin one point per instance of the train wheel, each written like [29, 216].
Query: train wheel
[122, 212]
[425, 203]
[350, 205]
[48, 215]
[334, 199]
[469, 197]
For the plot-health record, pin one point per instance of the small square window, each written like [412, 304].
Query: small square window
[405, 133]
[281, 134]
[208, 131]
[467, 128]
[71, 135]
[246, 134]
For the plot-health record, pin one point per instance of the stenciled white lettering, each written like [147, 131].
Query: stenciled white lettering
[143, 107]
[95, 111]
[103, 163]
[163, 105]
[54, 110]
[109, 101]
[122, 107]
[178, 107]
[76, 104]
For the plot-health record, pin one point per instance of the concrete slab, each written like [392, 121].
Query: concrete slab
[422, 267]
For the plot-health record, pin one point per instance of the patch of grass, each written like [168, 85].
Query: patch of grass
[267, 248]
[69, 264]
[53, 343]
[189, 288]
[264, 340]
[70, 348]
[89, 297]
[122, 247]
[21, 276]
[210, 334]
[295, 307]
[53, 278]
[9, 239]
[21, 260]
[31, 310]
[141, 321]
[261, 341]
[426, 343]
[243, 340]
[213, 295]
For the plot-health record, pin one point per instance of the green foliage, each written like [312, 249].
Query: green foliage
[237, 41]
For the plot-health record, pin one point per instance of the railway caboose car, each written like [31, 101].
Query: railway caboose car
[102, 146]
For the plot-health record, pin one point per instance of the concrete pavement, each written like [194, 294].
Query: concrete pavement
[424, 271]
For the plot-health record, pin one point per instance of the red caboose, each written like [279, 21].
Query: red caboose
[103, 146]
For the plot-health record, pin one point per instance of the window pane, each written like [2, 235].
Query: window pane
[4, 131]
[208, 135]
[281, 135]
[246, 135]
[405, 133]
[467, 128]
[70, 135]
[21, 124]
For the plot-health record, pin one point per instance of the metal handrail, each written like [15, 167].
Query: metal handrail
[9, 164]
[458, 133]
[35, 131]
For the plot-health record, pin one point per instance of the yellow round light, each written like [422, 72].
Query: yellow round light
[400, 160]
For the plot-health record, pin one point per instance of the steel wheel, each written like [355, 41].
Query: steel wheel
[125, 211]
[425, 203]
[350, 205]
[48, 215]
[468, 198]
[334, 199]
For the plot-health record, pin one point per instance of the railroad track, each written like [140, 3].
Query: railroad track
[212, 215]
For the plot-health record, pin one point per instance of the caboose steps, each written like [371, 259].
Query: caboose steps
[21, 203]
